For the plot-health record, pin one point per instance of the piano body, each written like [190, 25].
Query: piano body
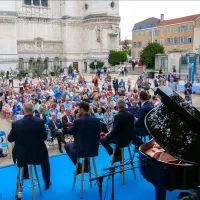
[171, 160]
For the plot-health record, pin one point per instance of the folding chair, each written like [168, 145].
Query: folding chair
[5, 144]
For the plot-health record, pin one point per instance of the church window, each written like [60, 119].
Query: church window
[36, 2]
[27, 2]
[44, 2]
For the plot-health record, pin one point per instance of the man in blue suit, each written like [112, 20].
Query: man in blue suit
[139, 126]
[86, 131]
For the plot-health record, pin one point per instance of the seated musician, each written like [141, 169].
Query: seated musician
[139, 125]
[122, 131]
[86, 131]
[65, 119]
[55, 127]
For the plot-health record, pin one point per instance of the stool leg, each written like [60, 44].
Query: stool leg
[32, 182]
[90, 175]
[17, 182]
[37, 178]
[77, 164]
[82, 178]
[122, 162]
[132, 164]
[113, 156]
[95, 170]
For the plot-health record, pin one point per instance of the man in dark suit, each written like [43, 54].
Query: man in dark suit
[55, 127]
[29, 135]
[139, 126]
[65, 119]
[86, 131]
[122, 131]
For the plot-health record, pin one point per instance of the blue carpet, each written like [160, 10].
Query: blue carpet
[62, 177]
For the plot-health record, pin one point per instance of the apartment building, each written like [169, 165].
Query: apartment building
[173, 34]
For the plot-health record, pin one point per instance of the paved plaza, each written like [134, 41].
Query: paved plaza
[6, 125]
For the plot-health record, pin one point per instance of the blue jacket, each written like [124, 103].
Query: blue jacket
[145, 109]
[134, 111]
[86, 131]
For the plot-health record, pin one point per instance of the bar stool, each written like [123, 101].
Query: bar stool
[82, 172]
[20, 181]
[122, 160]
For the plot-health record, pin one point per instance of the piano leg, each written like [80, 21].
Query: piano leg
[160, 193]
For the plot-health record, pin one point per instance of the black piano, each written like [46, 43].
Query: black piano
[171, 159]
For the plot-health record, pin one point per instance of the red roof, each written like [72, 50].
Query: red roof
[148, 19]
[178, 20]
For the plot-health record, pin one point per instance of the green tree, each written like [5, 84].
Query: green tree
[2, 73]
[99, 65]
[115, 57]
[125, 46]
[70, 68]
[148, 54]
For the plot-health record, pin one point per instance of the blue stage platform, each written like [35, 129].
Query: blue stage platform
[62, 177]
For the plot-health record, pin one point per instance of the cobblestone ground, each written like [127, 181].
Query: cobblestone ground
[5, 124]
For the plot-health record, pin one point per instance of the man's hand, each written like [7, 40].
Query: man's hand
[135, 118]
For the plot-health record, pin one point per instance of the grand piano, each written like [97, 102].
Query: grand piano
[171, 159]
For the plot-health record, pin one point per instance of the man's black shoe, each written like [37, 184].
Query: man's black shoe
[47, 185]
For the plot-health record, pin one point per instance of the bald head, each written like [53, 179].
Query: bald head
[28, 108]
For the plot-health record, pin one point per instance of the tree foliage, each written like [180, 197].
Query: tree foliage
[125, 46]
[99, 65]
[148, 54]
[115, 57]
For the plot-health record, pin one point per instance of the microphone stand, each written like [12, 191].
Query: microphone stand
[111, 173]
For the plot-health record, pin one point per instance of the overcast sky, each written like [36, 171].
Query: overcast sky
[132, 12]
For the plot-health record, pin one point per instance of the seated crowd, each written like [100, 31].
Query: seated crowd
[56, 101]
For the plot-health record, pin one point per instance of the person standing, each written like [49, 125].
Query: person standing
[188, 89]
[10, 76]
[29, 135]
[86, 131]
[172, 84]
[122, 132]
[115, 85]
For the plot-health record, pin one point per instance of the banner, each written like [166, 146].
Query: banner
[192, 66]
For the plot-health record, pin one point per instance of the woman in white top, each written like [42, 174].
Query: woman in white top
[61, 114]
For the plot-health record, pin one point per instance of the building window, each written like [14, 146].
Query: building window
[139, 44]
[175, 40]
[138, 34]
[144, 33]
[44, 2]
[36, 2]
[181, 40]
[27, 2]
[182, 29]
[134, 44]
[168, 40]
[162, 42]
[189, 39]
[190, 27]
[134, 35]
[168, 30]
[150, 33]
[175, 29]
[162, 31]
[185, 40]
[144, 44]
[156, 33]
[134, 54]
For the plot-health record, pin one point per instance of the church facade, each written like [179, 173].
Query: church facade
[57, 32]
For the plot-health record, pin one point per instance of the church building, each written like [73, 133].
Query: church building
[57, 32]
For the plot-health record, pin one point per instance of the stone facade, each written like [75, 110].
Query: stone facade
[73, 32]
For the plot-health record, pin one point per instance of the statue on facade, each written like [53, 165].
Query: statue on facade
[98, 32]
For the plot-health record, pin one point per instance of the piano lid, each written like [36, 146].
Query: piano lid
[175, 126]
